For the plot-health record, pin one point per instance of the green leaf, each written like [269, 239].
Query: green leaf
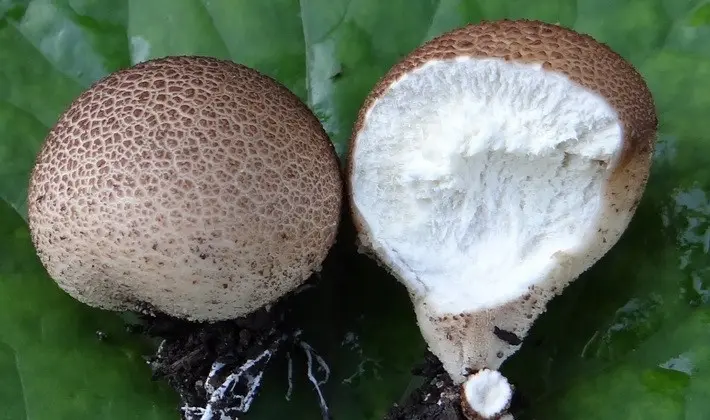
[11, 393]
[52, 364]
[625, 341]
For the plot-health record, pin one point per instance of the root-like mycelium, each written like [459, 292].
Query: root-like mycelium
[490, 168]
[231, 393]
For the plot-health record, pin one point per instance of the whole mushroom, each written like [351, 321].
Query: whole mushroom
[192, 186]
[490, 168]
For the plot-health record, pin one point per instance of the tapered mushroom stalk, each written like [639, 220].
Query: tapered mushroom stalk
[490, 168]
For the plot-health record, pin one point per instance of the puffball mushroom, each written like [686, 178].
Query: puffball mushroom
[189, 185]
[491, 167]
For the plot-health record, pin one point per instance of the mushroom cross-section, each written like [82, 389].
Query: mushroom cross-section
[491, 167]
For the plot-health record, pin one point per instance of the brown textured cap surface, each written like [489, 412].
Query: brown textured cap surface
[469, 340]
[196, 186]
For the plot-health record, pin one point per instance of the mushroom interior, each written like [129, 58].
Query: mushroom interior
[487, 393]
[470, 174]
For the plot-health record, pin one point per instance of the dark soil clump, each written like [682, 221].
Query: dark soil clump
[189, 353]
[189, 350]
[199, 359]
[436, 399]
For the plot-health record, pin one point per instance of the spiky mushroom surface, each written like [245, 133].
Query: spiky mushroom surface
[490, 168]
[194, 186]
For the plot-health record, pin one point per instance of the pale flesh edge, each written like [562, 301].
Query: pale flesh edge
[486, 395]
[480, 183]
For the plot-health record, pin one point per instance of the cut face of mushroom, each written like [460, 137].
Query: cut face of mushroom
[490, 168]
[486, 395]
[196, 187]
[480, 200]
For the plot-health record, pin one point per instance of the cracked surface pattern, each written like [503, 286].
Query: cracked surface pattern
[195, 186]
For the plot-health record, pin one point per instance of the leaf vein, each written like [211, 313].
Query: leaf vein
[219, 33]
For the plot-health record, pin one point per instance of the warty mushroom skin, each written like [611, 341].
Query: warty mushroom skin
[193, 186]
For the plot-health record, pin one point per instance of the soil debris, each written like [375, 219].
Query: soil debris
[437, 398]
[217, 368]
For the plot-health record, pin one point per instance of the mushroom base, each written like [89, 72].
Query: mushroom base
[218, 369]
[437, 397]
[189, 352]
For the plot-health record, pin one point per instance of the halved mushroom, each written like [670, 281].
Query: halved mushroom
[490, 168]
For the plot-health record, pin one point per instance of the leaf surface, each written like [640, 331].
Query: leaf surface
[627, 340]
